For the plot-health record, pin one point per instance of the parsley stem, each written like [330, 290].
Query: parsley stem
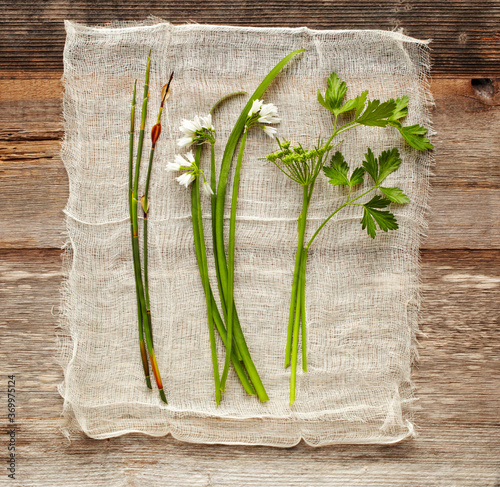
[296, 325]
[306, 196]
[348, 202]
[323, 224]
[303, 309]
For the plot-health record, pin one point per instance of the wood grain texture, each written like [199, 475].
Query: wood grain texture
[457, 379]
[465, 35]
[464, 119]
[458, 376]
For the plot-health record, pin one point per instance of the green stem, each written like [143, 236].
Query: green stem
[220, 200]
[213, 204]
[143, 124]
[298, 257]
[231, 252]
[142, 347]
[146, 212]
[197, 220]
[303, 309]
[296, 325]
[215, 312]
[238, 366]
[228, 157]
[348, 202]
[146, 318]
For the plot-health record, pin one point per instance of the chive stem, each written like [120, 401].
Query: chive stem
[200, 243]
[231, 252]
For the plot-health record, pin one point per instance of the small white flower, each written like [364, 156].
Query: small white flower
[173, 166]
[271, 131]
[185, 179]
[269, 113]
[189, 156]
[206, 122]
[200, 129]
[207, 189]
[256, 106]
[181, 162]
[184, 141]
[190, 127]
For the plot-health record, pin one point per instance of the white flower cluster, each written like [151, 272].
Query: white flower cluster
[261, 112]
[188, 163]
[200, 130]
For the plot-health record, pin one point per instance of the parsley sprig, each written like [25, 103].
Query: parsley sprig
[304, 166]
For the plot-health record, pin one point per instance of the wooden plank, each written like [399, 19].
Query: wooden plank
[465, 34]
[457, 379]
[467, 172]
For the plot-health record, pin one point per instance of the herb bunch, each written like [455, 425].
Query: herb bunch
[141, 283]
[199, 132]
[304, 166]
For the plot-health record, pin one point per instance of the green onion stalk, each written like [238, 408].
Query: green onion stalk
[214, 317]
[145, 316]
[234, 326]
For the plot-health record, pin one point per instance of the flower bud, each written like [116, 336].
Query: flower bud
[155, 133]
[144, 204]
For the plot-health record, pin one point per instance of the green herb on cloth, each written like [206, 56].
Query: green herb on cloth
[304, 166]
[200, 131]
[142, 289]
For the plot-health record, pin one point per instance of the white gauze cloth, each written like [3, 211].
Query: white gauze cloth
[362, 295]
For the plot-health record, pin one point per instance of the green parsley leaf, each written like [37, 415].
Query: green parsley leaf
[368, 223]
[337, 171]
[370, 165]
[388, 162]
[334, 94]
[376, 114]
[377, 202]
[357, 176]
[360, 104]
[379, 169]
[414, 135]
[395, 195]
[357, 103]
[401, 109]
[385, 221]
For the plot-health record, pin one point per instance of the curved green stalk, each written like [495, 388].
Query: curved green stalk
[228, 156]
[215, 312]
[219, 222]
[213, 203]
[197, 221]
[231, 252]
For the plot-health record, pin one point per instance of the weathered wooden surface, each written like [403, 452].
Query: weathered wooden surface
[458, 376]
[457, 381]
[465, 33]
